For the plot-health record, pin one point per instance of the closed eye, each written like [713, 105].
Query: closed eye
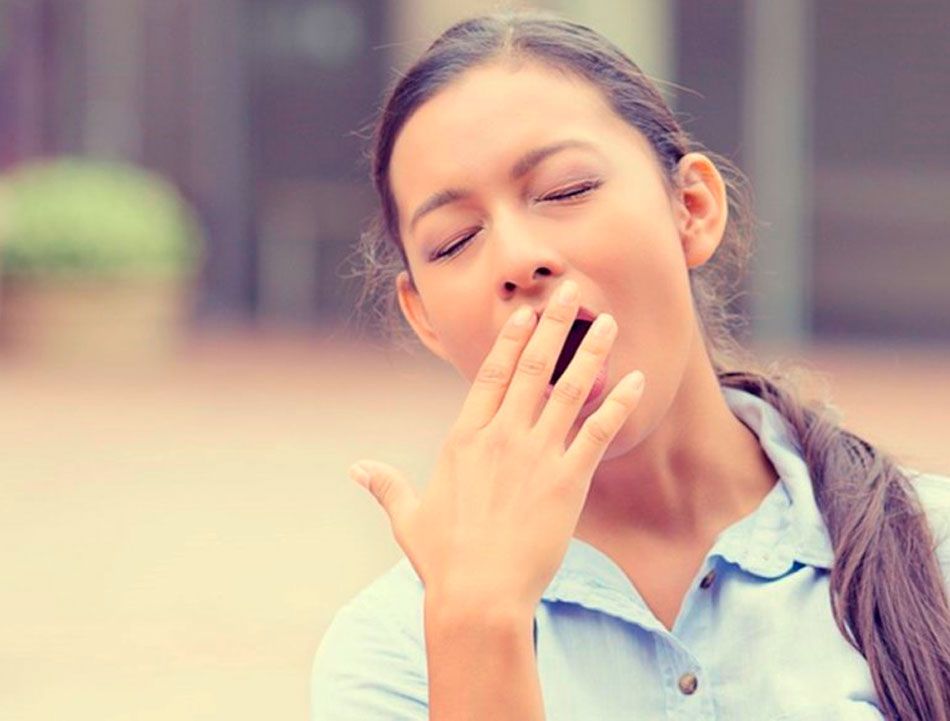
[455, 247]
[574, 191]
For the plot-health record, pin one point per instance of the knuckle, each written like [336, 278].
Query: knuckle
[565, 486]
[492, 374]
[383, 489]
[457, 437]
[498, 440]
[568, 391]
[597, 430]
[532, 365]
[559, 315]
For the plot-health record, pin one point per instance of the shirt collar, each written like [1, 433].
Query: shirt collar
[785, 528]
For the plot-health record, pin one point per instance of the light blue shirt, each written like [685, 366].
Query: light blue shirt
[756, 640]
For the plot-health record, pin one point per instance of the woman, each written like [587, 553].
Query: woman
[625, 521]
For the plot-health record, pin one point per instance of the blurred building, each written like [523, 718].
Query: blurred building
[259, 110]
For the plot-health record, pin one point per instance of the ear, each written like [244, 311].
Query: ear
[702, 209]
[414, 312]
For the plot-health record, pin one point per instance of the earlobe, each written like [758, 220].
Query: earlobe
[704, 208]
[410, 303]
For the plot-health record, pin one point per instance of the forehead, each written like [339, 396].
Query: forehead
[481, 121]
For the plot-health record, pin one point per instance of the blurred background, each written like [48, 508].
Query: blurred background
[182, 378]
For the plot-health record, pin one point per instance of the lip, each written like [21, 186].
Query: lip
[596, 392]
[583, 313]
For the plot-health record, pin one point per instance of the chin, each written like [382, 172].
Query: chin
[628, 437]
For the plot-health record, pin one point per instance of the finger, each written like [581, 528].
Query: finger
[602, 425]
[536, 363]
[571, 390]
[389, 487]
[496, 370]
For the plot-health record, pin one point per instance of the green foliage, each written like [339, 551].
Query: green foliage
[79, 216]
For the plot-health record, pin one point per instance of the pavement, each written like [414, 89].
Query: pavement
[175, 539]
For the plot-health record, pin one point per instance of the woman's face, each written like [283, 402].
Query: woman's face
[511, 180]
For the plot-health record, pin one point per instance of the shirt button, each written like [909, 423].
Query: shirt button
[708, 579]
[688, 683]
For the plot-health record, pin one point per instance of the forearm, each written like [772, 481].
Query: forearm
[481, 664]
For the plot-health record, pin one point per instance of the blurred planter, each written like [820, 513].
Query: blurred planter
[97, 264]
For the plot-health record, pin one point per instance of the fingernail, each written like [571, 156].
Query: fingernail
[635, 380]
[603, 324]
[568, 292]
[522, 316]
[360, 475]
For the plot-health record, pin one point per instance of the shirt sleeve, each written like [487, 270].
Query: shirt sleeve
[367, 668]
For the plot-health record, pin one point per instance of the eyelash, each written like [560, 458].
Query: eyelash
[568, 194]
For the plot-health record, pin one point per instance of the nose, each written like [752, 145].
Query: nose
[524, 281]
[525, 264]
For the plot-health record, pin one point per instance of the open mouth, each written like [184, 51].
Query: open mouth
[579, 329]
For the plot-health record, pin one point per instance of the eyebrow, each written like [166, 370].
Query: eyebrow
[521, 168]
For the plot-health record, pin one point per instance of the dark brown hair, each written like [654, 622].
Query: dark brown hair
[887, 591]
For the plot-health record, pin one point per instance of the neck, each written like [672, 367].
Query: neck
[696, 472]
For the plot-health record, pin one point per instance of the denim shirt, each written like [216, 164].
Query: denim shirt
[754, 639]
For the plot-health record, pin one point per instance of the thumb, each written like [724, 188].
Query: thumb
[389, 486]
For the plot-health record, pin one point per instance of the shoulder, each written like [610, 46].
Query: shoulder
[370, 663]
[933, 491]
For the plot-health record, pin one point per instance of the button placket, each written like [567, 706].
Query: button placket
[681, 672]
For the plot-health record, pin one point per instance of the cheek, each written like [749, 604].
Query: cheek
[642, 254]
[466, 343]
[646, 275]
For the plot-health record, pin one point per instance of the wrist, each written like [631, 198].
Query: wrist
[451, 612]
